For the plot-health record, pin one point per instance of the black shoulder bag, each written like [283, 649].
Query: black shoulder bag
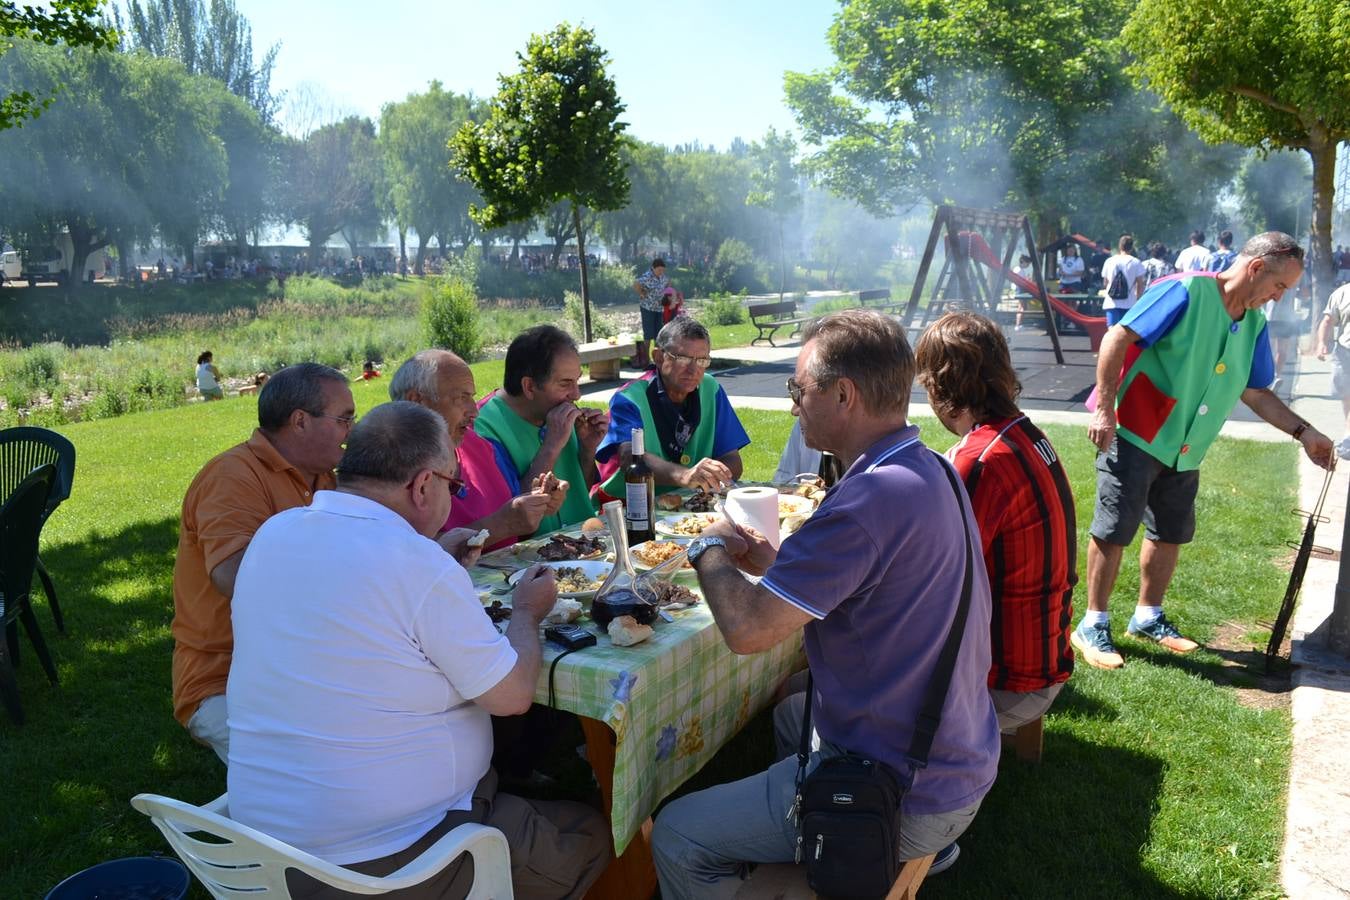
[848, 809]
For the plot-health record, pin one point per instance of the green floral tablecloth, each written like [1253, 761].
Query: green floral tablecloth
[672, 700]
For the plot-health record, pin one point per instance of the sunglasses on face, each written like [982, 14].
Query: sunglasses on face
[453, 483]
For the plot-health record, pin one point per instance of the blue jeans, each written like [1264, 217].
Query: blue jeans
[702, 842]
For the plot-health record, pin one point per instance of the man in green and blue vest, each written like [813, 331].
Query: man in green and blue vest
[1167, 377]
[535, 425]
[693, 437]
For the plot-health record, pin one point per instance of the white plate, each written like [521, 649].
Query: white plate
[642, 566]
[666, 524]
[594, 568]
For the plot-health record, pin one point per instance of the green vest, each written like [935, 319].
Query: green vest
[1175, 398]
[499, 422]
[700, 444]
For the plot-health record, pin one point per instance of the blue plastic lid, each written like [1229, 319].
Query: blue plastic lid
[133, 878]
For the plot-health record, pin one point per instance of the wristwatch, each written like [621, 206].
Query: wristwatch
[700, 544]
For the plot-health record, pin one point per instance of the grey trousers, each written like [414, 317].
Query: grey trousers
[558, 850]
[1017, 709]
[703, 842]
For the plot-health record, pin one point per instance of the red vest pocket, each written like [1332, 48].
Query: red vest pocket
[1144, 408]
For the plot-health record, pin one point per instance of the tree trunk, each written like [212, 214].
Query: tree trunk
[1322, 149]
[422, 240]
[782, 261]
[585, 282]
[514, 261]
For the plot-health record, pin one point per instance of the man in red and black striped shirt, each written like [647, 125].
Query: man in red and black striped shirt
[1023, 504]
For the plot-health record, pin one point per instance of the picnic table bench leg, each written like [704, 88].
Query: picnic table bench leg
[631, 876]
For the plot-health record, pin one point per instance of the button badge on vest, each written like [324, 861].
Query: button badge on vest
[1203, 410]
[1220, 369]
[1185, 448]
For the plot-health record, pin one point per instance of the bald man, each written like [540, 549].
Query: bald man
[441, 381]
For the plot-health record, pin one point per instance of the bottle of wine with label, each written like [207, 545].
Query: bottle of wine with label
[830, 469]
[640, 494]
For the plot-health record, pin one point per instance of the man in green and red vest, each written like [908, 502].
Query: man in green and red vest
[536, 426]
[693, 437]
[1167, 377]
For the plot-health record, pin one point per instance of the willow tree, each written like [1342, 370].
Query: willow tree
[1270, 74]
[552, 134]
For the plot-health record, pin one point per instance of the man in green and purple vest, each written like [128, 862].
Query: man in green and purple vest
[535, 425]
[693, 437]
[1167, 377]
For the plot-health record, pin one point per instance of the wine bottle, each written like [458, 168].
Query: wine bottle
[640, 494]
[830, 470]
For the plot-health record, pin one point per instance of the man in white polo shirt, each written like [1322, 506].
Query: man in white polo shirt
[365, 671]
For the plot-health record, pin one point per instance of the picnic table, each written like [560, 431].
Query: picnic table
[653, 714]
[601, 358]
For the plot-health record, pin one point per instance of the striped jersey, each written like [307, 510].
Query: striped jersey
[1024, 507]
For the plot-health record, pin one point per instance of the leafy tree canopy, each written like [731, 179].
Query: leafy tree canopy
[69, 22]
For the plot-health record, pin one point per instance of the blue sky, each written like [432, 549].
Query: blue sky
[698, 70]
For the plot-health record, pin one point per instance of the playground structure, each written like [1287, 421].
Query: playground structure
[978, 236]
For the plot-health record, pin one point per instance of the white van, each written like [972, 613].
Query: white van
[11, 266]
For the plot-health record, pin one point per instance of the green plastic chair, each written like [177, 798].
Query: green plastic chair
[21, 451]
[21, 519]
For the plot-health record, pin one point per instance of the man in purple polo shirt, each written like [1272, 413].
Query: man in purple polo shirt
[873, 578]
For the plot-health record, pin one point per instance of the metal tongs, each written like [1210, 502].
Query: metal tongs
[1305, 548]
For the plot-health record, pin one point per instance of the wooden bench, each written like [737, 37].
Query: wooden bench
[879, 299]
[769, 317]
[602, 358]
[785, 881]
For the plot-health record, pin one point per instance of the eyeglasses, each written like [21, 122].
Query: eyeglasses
[796, 390]
[454, 484]
[701, 362]
[346, 421]
[1294, 252]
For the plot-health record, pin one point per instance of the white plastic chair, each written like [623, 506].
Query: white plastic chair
[244, 863]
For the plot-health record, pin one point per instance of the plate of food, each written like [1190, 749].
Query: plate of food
[689, 526]
[650, 554]
[699, 501]
[578, 579]
[562, 547]
[794, 505]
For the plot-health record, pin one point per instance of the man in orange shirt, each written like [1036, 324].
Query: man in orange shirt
[304, 415]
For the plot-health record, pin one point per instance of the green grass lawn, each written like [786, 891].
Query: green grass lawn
[1156, 781]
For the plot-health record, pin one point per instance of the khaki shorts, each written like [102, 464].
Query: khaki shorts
[1132, 487]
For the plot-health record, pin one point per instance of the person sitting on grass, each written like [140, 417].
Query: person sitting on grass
[366, 671]
[536, 426]
[368, 370]
[304, 415]
[1023, 504]
[208, 378]
[693, 436]
[441, 381]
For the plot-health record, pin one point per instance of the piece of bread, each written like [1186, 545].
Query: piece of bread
[669, 501]
[625, 631]
[592, 524]
[478, 539]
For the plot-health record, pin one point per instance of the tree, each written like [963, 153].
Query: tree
[1269, 74]
[69, 22]
[964, 101]
[130, 151]
[334, 182]
[425, 193]
[848, 241]
[776, 188]
[552, 134]
[217, 43]
[649, 200]
[1275, 193]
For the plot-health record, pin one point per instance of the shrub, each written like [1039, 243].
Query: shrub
[602, 326]
[39, 368]
[735, 268]
[723, 309]
[18, 395]
[450, 317]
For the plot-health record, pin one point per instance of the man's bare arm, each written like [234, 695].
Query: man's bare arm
[752, 619]
[225, 573]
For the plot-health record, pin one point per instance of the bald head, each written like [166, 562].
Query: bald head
[441, 381]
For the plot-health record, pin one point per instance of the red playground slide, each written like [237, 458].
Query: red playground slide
[1095, 326]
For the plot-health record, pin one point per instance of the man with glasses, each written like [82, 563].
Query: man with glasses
[365, 673]
[441, 381]
[693, 437]
[1168, 375]
[304, 415]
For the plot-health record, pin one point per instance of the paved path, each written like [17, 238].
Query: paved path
[1318, 817]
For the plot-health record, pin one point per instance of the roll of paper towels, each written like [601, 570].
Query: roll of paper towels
[756, 507]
